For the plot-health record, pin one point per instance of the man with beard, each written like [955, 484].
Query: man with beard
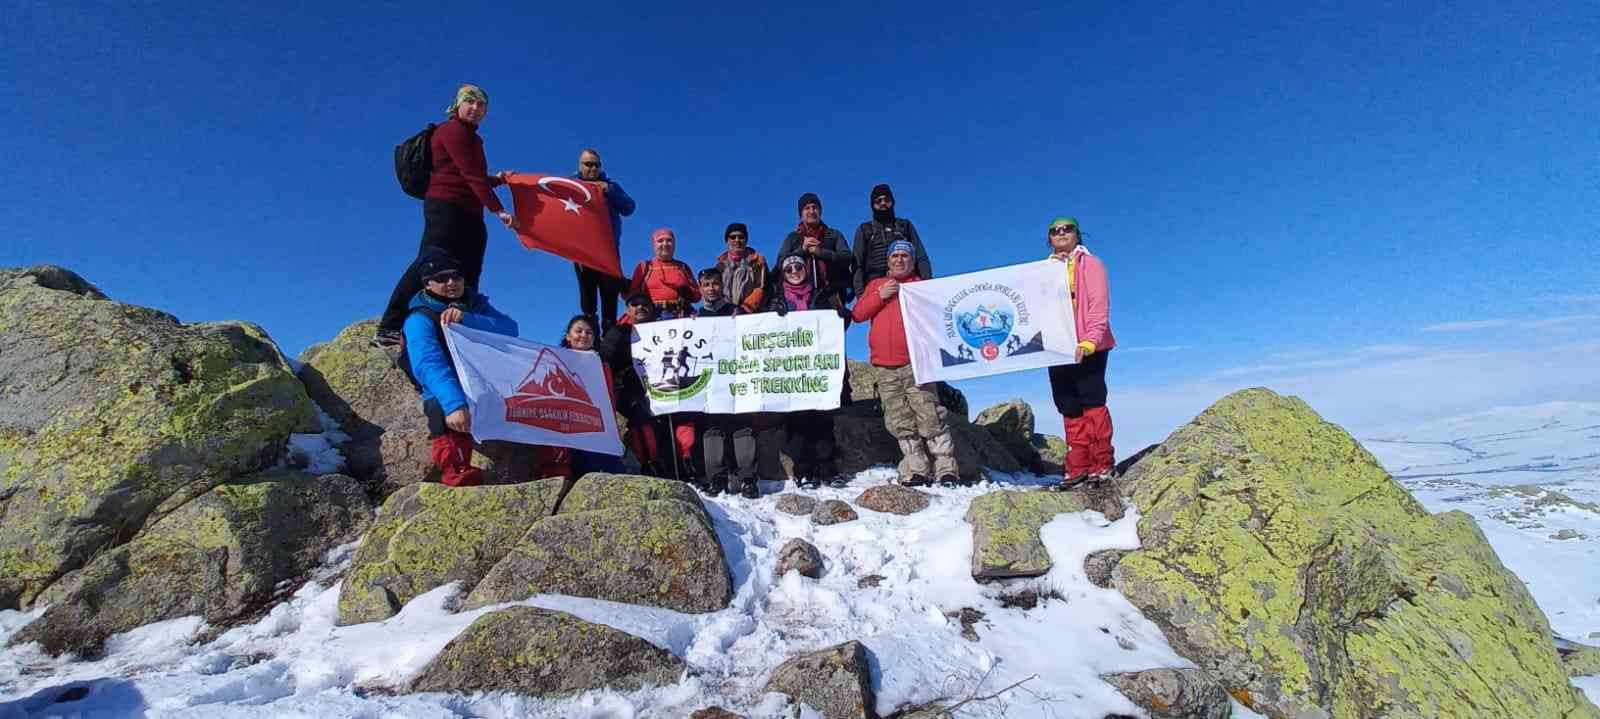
[874, 237]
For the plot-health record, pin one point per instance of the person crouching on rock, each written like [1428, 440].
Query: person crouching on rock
[1079, 389]
[911, 411]
[443, 300]
[810, 432]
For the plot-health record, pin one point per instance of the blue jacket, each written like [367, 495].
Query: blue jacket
[617, 201]
[430, 362]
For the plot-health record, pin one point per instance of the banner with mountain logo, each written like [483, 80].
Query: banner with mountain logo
[750, 363]
[983, 323]
[532, 393]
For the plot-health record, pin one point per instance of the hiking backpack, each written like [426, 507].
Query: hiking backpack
[403, 361]
[413, 162]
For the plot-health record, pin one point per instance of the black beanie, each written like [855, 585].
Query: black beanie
[739, 226]
[434, 261]
[807, 199]
[880, 190]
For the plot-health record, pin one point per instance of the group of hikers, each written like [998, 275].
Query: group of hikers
[817, 269]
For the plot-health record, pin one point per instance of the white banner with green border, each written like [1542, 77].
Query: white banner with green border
[750, 363]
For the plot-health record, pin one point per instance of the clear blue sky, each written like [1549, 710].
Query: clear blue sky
[1270, 186]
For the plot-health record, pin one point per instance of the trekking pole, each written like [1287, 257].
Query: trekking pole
[672, 448]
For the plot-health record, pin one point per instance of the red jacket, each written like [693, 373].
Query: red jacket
[663, 279]
[460, 172]
[886, 340]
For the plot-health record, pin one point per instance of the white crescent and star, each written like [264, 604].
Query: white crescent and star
[566, 203]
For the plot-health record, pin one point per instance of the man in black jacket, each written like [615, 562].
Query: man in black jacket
[824, 249]
[874, 237]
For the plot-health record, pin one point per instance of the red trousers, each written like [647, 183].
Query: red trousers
[1089, 449]
[452, 454]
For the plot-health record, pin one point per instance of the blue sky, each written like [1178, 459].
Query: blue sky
[1283, 195]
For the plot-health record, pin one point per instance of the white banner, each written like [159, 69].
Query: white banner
[522, 391]
[982, 323]
[749, 363]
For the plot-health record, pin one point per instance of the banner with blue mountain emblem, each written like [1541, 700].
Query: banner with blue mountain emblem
[982, 323]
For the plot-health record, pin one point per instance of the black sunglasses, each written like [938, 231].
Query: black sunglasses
[586, 163]
[1063, 229]
[445, 276]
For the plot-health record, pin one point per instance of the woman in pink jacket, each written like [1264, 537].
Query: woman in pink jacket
[1079, 389]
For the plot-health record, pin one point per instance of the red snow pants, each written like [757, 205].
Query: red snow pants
[1079, 391]
[452, 454]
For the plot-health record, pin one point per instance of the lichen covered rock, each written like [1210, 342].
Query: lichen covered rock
[834, 681]
[1173, 693]
[222, 556]
[661, 553]
[360, 387]
[834, 511]
[798, 504]
[1005, 531]
[428, 535]
[798, 555]
[532, 651]
[1010, 423]
[111, 414]
[1280, 557]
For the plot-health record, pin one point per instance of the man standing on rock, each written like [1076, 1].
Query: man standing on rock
[446, 299]
[592, 282]
[911, 411]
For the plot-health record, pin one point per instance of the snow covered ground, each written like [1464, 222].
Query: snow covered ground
[1505, 467]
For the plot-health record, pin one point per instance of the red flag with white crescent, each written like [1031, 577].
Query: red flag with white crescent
[565, 217]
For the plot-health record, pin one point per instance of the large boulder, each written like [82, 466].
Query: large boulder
[360, 387]
[835, 681]
[531, 651]
[1005, 531]
[662, 553]
[618, 537]
[112, 414]
[429, 535]
[223, 555]
[1010, 423]
[1280, 557]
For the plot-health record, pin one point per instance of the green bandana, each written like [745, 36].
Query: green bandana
[467, 91]
[1065, 220]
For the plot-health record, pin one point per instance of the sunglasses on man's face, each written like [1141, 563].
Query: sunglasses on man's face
[1063, 230]
[587, 163]
[446, 276]
[881, 200]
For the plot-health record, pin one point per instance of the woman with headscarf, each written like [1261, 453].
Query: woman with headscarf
[459, 189]
[1079, 388]
[667, 280]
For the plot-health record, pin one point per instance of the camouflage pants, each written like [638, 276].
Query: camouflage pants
[912, 414]
[910, 410]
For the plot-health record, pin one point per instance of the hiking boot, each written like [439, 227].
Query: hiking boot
[717, 485]
[916, 480]
[388, 339]
[802, 482]
[751, 489]
[838, 481]
[1105, 476]
[949, 481]
[1070, 483]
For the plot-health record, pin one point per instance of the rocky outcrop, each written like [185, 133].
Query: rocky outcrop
[834, 511]
[113, 415]
[530, 651]
[1174, 693]
[1580, 660]
[1280, 557]
[861, 441]
[1010, 423]
[617, 537]
[1098, 566]
[834, 681]
[894, 499]
[359, 386]
[800, 556]
[222, 556]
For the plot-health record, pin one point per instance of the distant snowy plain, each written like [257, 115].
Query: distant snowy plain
[1530, 475]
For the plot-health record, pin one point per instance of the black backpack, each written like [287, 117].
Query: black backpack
[413, 162]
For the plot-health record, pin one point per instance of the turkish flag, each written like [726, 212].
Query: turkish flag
[565, 217]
